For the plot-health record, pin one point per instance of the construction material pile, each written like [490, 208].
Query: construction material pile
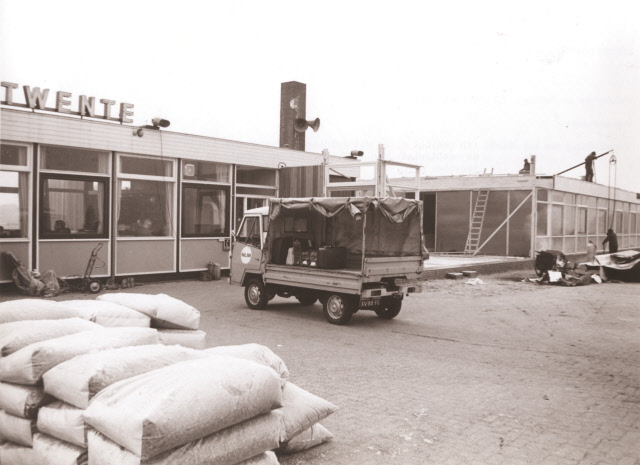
[101, 383]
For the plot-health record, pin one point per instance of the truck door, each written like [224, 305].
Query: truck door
[246, 253]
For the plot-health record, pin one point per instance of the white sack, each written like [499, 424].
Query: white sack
[35, 309]
[64, 422]
[16, 429]
[194, 339]
[15, 454]
[142, 303]
[302, 410]
[22, 401]
[309, 438]
[76, 381]
[51, 451]
[229, 446]
[165, 408]
[267, 458]
[18, 334]
[174, 313]
[256, 353]
[166, 311]
[27, 365]
[110, 314]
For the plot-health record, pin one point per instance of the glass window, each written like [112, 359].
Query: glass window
[632, 223]
[543, 195]
[13, 155]
[557, 196]
[602, 221]
[591, 202]
[69, 159]
[542, 220]
[146, 166]
[14, 204]
[265, 192]
[193, 170]
[259, 176]
[569, 221]
[569, 199]
[582, 221]
[72, 207]
[145, 208]
[556, 220]
[591, 221]
[250, 231]
[205, 211]
[618, 224]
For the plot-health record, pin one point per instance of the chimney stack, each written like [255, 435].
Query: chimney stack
[293, 105]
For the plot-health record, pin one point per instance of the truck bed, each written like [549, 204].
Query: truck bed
[345, 280]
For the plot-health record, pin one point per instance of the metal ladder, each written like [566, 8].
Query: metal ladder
[477, 220]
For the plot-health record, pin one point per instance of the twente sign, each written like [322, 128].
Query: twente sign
[36, 99]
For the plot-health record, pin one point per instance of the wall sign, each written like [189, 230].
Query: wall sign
[36, 99]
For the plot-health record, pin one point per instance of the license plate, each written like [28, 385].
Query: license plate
[369, 303]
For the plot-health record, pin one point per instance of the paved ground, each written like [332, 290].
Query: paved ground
[501, 373]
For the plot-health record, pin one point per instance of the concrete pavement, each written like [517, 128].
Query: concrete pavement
[501, 373]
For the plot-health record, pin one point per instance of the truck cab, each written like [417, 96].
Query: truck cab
[350, 253]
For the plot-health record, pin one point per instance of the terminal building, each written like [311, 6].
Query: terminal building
[162, 202]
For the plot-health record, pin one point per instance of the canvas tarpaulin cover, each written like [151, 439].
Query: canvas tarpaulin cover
[392, 226]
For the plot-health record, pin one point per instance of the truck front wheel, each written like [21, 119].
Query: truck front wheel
[338, 309]
[255, 294]
[389, 308]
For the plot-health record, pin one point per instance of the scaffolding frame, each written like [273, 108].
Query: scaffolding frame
[380, 186]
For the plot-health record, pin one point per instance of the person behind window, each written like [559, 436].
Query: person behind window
[612, 239]
[60, 227]
[91, 221]
[142, 228]
[526, 169]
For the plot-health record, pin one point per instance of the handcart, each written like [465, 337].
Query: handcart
[88, 284]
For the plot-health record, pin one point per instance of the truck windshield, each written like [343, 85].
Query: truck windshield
[250, 231]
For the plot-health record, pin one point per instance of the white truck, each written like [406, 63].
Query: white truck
[350, 253]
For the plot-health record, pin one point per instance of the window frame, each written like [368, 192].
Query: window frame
[120, 176]
[46, 175]
[205, 185]
[26, 168]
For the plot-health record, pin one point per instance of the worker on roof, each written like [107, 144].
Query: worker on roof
[588, 164]
[526, 169]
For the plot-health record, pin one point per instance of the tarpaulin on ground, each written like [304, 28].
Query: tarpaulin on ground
[623, 266]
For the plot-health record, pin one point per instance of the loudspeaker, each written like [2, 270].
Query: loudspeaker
[302, 124]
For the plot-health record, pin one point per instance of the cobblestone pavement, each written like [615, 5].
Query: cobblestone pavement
[501, 373]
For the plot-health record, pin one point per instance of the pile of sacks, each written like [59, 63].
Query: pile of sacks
[74, 392]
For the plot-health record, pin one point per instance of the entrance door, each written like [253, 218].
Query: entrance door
[246, 253]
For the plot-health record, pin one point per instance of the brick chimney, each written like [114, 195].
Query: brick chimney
[293, 105]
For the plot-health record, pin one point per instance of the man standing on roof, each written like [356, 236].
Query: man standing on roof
[612, 239]
[588, 164]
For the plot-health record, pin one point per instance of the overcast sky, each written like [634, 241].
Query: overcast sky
[457, 87]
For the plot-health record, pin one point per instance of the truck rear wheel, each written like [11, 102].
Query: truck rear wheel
[338, 309]
[389, 308]
[255, 294]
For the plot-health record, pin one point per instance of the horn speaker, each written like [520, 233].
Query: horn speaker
[302, 124]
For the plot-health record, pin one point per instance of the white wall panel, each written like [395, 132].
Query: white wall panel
[23, 126]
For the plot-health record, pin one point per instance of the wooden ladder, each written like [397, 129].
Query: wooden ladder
[477, 220]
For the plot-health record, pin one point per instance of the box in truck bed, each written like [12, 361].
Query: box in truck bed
[332, 258]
